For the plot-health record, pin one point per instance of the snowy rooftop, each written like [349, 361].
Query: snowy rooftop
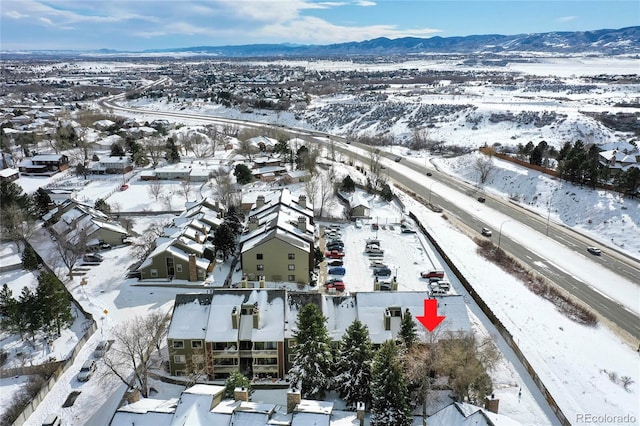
[190, 316]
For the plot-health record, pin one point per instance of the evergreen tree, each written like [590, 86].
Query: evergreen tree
[236, 380]
[102, 206]
[243, 174]
[386, 192]
[12, 194]
[224, 240]
[312, 363]
[389, 404]
[348, 185]
[171, 154]
[117, 150]
[353, 365]
[29, 258]
[10, 310]
[53, 302]
[42, 201]
[408, 334]
[30, 318]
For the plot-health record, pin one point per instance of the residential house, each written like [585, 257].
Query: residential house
[617, 161]
[253, 330]
[84, 224]
[44, 164]
[359, 206]
[179, 259]
[203, 405]
[111, 165]
[279, 244]
[9, 175]
[263, 143]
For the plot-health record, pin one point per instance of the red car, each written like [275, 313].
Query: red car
[337, 284]
[334, 254]
[433, 275]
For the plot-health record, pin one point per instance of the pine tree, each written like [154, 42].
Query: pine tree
[389, 404]
[41, 201]
[353, 365]
[53, 303]
[29, 258]
[408, 334]
[312, 363]
[171, 154]
[30, 318]
[236, 380]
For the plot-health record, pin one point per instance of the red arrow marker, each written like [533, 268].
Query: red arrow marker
[431, 319]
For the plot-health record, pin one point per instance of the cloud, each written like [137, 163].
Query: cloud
[365, 3]
[15, 15]
[567, 18]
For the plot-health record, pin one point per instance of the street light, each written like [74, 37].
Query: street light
[500, 233]
[432, 183]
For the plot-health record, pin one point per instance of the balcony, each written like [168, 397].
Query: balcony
[227, 353]
[261, 369]
[218, 369]
[265, 353]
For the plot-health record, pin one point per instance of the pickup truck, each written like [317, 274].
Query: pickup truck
[374, 250]
[433, 275]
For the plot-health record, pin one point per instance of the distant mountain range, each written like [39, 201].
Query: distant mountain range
[602, 42]
[607, 42]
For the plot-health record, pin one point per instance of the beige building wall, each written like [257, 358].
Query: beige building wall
[275, 257]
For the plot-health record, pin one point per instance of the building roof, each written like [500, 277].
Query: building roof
[190, 316]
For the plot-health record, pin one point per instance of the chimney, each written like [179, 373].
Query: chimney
[193, 270]
[302, 223]
[198, 237]
[260, 201]
[294, 397]
[302, 201]
[132, 395]
[235, 318]
[256, 316]
[491, 404]
[253, 223]
[360, 413]
[262, 282]
[241, 394]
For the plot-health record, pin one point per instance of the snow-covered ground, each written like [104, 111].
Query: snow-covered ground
[577, 363]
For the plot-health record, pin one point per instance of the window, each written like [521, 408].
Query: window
[260, 267]
[178, 344]
[259, 256]
[178, 268]
[154, 273]
[197, 358]
[292, 256]
[196, 344]
[292, 267]
[291, 358]
[179, 359]
[179, 372]
[292, 343]
[291, 278]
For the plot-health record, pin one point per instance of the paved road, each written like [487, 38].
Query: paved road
[617, 262]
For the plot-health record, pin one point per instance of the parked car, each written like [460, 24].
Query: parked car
[377, 264]
[338, 270]
[382, 272]
[594, 250]
[334, 254]
[482, 199]
[407, 230]
[52, 420]
[336, 263]
[86, 371]
[104, 246]
[433, 275]
[92, 258]
[375, 226]
[102, 348]
[358, 223]
[337, 247]
[372, 242]
[445, 285]
[373, 250]
[336, 283]
[438, 291]
[486, 232]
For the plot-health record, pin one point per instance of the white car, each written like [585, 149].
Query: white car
[594, 250]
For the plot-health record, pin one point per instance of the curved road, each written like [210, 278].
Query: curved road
[619, 263]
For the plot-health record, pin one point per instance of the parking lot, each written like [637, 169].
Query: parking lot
[406, 255]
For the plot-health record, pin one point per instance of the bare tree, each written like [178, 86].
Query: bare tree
[146, 242]
[420, 139]
[155, 189]
[216, 138]
[134, 343]
[16, 225]
[185, 188]
[375, 168]
[231, 130]
[197, 144]
[71, 244]
[245, 149]
[311, 187]
[332, 149]
[326, 187]
[225, 189]
[484, 166]
[154, 147]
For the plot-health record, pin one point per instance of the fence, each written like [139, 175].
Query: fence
[498, 324]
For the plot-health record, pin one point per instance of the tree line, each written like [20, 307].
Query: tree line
[394, 379]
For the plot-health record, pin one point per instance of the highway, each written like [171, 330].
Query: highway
[617, 262]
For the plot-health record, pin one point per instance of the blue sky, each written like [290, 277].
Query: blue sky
[150, 24]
